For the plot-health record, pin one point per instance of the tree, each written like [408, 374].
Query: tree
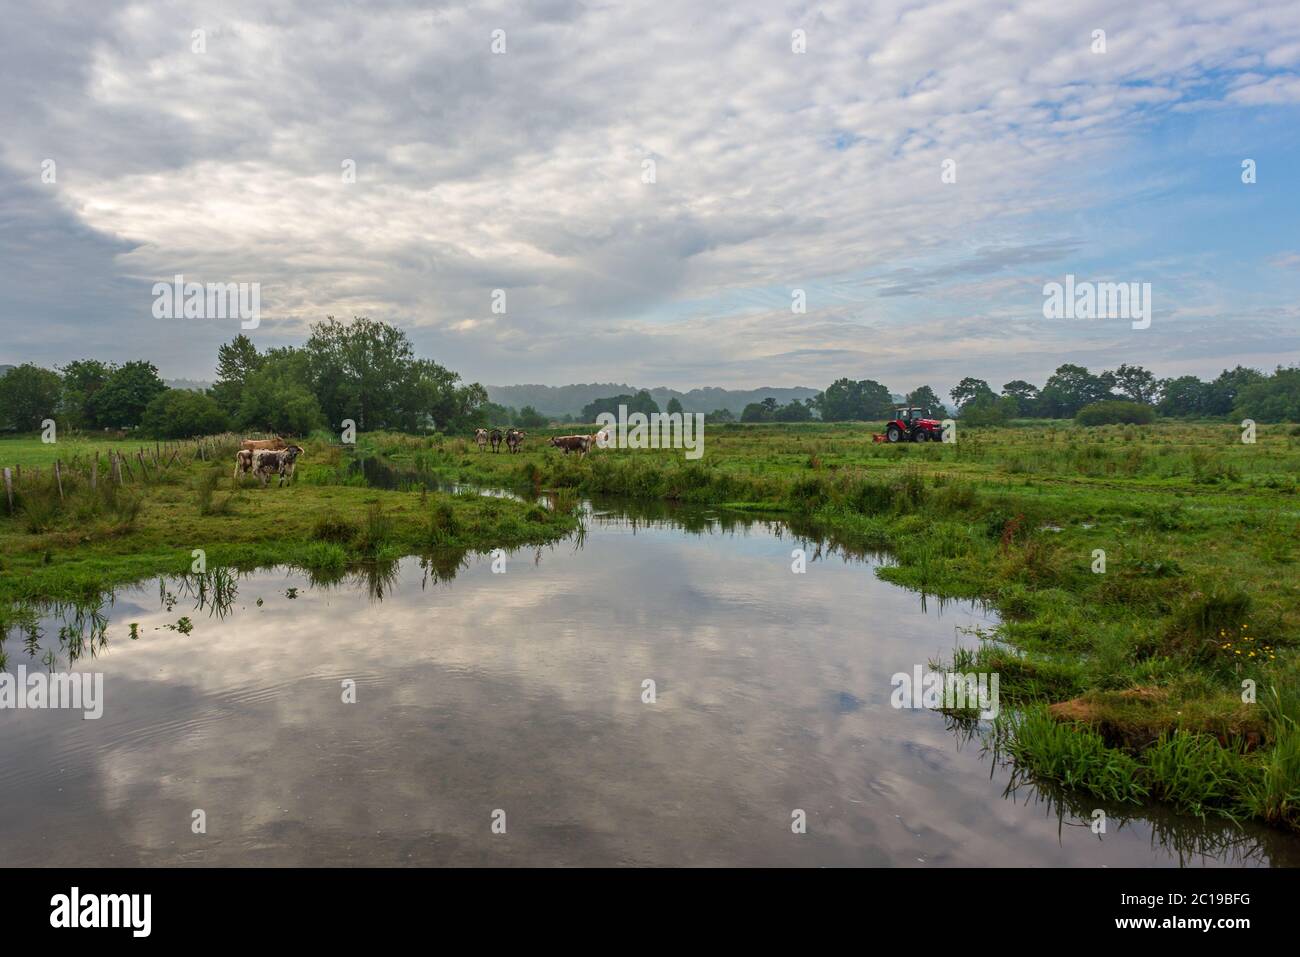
[674, 406]
[968, 390]
[183, 414]
[359, 370]
[764, 411]
[989, 409]
[121, 402]
[1275, 398]
[1137, 384]
[1025, 394]
[81, 380]
[28, 396]
[1071, 387]
[1183, 396]
[642, 402]
[720, 416]
[275, 399]
[367, 371]
[793, 411]
[433, 391]
[494, 413]
[530, 418]
[236, 361]
[848, 401]
[1221, 394]
[925, 398]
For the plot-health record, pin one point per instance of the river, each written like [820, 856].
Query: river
[430, 713]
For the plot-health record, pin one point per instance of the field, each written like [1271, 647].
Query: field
[1164, 669]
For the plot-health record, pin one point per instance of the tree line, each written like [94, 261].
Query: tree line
[1129, 393]
[367, 371]
[645, 403]
[363, 370]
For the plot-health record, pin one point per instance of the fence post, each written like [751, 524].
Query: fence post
[94, 471]
[9, 489]
[58, 477]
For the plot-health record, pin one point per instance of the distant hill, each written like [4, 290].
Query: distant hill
[569, 399]
[194, 385]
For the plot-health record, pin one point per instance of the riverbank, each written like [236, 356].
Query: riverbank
[73, 547]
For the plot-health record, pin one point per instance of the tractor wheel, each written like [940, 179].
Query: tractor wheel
[920, 435]
[894, 433]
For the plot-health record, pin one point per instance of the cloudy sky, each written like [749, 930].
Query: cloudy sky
[773, 171]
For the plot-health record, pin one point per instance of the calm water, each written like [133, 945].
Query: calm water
[522, 692]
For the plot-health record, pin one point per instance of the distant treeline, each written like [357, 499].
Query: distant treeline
[367, 371]
[567, 401]
[1130, 393]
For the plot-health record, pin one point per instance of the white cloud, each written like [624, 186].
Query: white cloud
[524, 171]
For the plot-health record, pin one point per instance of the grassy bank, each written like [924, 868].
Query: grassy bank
[72, 548]
[1142, 661]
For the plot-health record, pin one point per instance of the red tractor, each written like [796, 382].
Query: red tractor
[912, 424]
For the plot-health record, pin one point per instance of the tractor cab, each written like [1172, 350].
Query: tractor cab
[909, 414]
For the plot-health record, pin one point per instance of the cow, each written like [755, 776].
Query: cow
[481, 437]
[268, 462]
[252, 445]
[515, 439]
[495, 437]
[572, 443]
[243, 462]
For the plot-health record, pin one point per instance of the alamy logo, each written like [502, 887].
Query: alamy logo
[75, 690]
[1098, 300]
[659, 430]
[103, 910]
[215, 300]
[947, 690]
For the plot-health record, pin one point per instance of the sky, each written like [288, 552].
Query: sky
[651, 187]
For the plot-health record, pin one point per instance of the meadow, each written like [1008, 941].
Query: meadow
[1164, 669]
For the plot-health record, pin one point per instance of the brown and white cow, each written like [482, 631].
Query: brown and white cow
[268, 462]
[572, 443]
[515, 439]
[481, 438]
[495, 437]
[243, 462]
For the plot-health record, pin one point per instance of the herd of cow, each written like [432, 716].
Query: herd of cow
[514, 440]
[267, 457]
